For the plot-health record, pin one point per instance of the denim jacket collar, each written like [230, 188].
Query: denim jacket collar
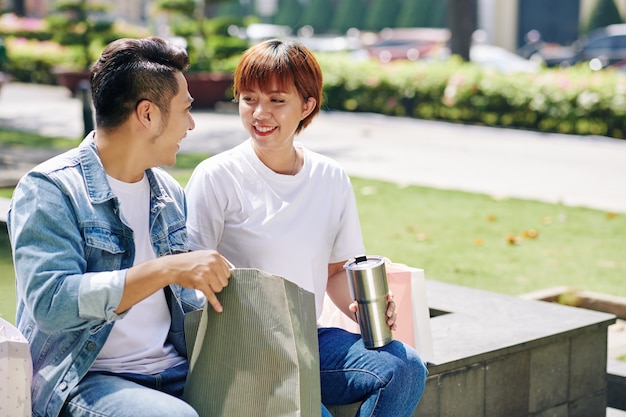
[96, 182]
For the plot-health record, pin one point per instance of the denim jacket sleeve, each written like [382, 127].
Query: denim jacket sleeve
[52, 244]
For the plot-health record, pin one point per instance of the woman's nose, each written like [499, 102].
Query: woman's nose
[259, 112]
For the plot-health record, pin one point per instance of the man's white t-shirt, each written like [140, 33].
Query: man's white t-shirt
[292, 226]
[137, 343]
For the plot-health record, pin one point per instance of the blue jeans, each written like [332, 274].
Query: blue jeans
[102, 394]
[389, 380]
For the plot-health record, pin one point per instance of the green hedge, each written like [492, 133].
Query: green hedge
[574, 100]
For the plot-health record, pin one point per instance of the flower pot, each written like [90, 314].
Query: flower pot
[71, 79]
[208, 88]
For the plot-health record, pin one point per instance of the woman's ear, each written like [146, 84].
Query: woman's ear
[308, 107]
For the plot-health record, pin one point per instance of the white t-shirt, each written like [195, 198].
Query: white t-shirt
[292, 226]
[137, 343]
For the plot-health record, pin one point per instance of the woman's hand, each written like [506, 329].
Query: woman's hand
[392, 316]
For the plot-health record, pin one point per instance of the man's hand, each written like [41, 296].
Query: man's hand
[204, 270]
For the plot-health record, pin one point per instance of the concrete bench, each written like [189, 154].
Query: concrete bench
[498, 355]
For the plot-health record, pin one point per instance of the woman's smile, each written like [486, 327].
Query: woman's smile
[264, 130]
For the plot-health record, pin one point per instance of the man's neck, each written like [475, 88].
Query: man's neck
[119, 155]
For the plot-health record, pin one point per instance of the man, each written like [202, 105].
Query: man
[103, 271]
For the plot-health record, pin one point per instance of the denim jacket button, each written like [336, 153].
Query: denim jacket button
[63, 386]
[91, 346]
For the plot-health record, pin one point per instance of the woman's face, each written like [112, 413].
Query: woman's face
[272, 115]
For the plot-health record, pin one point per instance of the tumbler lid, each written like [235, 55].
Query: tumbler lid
[364, 262]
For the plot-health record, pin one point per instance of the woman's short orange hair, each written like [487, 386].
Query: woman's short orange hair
[284, 64]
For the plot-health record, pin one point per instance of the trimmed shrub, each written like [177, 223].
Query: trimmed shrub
[575, 100]
[33, 61]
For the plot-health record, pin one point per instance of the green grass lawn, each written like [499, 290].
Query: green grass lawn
[510, 246]
[10, 137]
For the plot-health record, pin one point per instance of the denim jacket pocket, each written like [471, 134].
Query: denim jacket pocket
[178, 238]
[106, 249]
[171, 239]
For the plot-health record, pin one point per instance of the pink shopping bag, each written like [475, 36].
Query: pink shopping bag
[16, 372]
[408, 286]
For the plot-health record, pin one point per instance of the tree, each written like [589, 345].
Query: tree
[382, 14]
[603, 14]
[422, 13]
[81, 24]
[318, 14]
[289, 13]
[349, 14]
[19, 7]
[210, 7]
[462, 16]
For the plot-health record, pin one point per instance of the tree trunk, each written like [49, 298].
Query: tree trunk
[19, 7]
[462, 16]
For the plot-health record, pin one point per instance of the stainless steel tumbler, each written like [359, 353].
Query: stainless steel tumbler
[367, 280]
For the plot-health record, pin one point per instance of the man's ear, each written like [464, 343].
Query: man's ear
[144, 112]
[308, 107]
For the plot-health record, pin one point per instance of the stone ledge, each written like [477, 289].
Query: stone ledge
[501, 355]
[605, 303]
[481, 321]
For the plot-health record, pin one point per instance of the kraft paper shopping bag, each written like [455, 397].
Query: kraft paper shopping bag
[259, 357]
[16, 372]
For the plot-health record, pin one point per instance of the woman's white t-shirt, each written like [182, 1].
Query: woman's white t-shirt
[292, 226]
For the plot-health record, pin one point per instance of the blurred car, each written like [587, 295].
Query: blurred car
[604, 46]
[328, 43]
[410, 44]
[501, 59]
[390, 50]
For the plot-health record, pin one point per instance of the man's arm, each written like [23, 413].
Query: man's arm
[204, 270]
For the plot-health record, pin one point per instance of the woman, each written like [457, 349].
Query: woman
[271, 204]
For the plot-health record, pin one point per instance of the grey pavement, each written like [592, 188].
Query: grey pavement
[572, 170]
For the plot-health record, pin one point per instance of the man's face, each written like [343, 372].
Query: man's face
[173, 127]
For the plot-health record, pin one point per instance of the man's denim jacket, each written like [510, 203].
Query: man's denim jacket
[71, 252]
